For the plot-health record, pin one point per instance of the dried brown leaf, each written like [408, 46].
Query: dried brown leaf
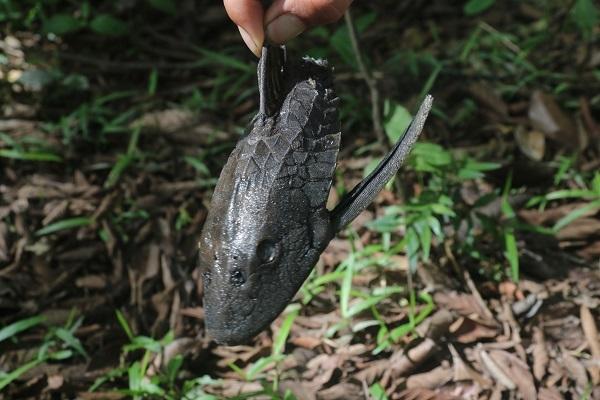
[91, 281]
[300, 390]
[588, 324]
[372, 371]
[518, 372]
[403, 362]
[466, 330]
[320, 369]
[3, 242]
[496, 371]
[424, 394]
[549, 394]
[546, 115]
[169, 120]
[575, 369]
[464, 304]
[488, 96]
[584, 228]
[336, 252]
[552, 215]
[55, 381]
[540, 354]
[590, 252]
[531, 143]
[463, 372]
[307, 342]
[435, 378]
[342, 391]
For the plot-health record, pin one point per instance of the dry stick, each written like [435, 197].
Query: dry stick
[371, 82]
[468, 281]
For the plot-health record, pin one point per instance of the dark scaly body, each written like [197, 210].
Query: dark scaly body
[267, 223]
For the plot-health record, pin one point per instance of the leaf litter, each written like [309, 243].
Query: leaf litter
[130, 246]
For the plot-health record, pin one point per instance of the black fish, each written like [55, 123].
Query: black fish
[268, 222]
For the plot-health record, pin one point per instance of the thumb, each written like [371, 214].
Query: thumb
[286, 19]
[248, 16]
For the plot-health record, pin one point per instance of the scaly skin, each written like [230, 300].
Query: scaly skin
[268, 222]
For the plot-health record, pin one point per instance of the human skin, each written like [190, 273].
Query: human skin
[283, 20]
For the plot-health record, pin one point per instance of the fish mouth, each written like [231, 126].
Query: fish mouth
[230, 337]
[230, 322]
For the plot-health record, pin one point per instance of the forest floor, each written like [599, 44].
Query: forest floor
[476, 275]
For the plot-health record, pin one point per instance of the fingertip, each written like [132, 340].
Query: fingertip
[249, 41]
[248, 16]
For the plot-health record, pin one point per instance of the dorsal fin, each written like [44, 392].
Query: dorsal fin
[271, 78]
[363, 194]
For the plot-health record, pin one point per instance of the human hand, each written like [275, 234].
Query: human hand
[283, 20]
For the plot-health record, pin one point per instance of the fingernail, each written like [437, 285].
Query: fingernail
[284, 28]
[249, 41]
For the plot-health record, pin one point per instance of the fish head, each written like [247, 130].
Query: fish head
[254, 257]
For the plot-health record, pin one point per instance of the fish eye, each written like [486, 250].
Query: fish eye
[266, 251]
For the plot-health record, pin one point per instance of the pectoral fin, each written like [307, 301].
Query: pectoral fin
[363, 194]
[270, 78]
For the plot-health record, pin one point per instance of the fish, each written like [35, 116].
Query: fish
[268, 221]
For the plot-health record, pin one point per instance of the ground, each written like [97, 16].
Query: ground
[476, 274]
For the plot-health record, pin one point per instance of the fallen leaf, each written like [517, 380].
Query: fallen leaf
[496, 371]
[463, 372]
[488, 96]
[588, 324]
[342, 391]
[531, 143]
[546, 116]
[307, 342]
[431, 379]
[581, 229]
[3, 242]
[575, 369]
[540, 354]
[91, 282]
[55, 381]
[300, 390]
[424, 394]
[403, 362]
[466, 330]
[549, 394]
[464, 304]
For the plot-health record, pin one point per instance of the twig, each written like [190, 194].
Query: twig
[370, 81]
[469, 281]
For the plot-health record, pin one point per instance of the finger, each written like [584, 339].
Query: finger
[286, 19]
[248, 16]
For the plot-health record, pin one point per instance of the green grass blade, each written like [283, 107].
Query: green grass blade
[70, 339]
[377, 392]
[29, 155]
[576, 214]
[123, 322]
[20, 326]
[284, 331]
[11, 376]
[512, 254]
[64, 224]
